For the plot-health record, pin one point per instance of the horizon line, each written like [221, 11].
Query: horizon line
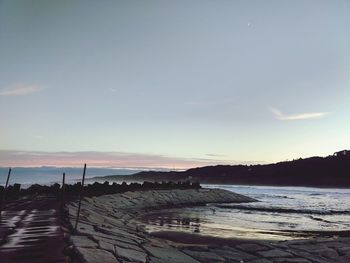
[158, 168]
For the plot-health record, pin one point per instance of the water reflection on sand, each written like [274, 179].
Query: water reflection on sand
[283, 213]
[205, 222]
[157, 221]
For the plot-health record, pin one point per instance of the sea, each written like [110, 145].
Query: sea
[281, 213]
[47, 175]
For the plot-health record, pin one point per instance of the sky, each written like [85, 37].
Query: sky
[172, 84]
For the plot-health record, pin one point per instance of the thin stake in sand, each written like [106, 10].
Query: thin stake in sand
[63, 190]
[81, 196]
[4, 193]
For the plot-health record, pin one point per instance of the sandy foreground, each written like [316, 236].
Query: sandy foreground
[108, 231]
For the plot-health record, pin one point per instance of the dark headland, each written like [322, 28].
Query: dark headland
[330, 171]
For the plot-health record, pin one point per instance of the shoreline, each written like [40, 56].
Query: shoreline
[108, 231]
[196, 238]
[115, 178]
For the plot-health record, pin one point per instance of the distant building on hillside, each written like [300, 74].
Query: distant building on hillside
[342, 153]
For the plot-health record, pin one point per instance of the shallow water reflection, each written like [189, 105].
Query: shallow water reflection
[206, 221]
[173, 221]
[282, 213]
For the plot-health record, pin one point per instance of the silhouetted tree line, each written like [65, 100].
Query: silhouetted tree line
[96, 189]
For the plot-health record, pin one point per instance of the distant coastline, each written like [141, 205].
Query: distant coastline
[332, 171]
[323, 172]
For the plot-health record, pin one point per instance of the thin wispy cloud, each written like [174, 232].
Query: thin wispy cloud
[20, 90]
[301, 116]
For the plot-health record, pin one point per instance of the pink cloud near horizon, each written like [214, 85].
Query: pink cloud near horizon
[9, 158]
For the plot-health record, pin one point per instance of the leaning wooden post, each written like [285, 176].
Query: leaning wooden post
[62, 190]
[5, 188]
[81, 196]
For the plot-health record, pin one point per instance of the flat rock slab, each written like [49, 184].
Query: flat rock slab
[204, 256]
[84, 229]
[260, 260]
[291, 260]
[233, 254]
[275, 253]
[169, 255]
[318, 249]
[83, 241]
[130, 254]
[106, 246]
[252, 247]
[90, 255]
[312, 257]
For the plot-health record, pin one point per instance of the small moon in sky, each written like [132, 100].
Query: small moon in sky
[249, 24]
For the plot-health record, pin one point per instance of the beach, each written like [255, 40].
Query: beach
[109, 230]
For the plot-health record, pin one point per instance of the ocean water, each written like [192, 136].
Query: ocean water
[281, 213]
[49, 175]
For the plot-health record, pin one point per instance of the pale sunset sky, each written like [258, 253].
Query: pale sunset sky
[173, 84]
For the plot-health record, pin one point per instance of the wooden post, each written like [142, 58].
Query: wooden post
[5, 188]
[63, 189]
[81, 196]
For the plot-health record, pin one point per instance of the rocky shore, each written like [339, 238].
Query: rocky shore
[108, 231]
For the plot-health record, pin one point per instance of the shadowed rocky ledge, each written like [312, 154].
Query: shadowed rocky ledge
[108, 231]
